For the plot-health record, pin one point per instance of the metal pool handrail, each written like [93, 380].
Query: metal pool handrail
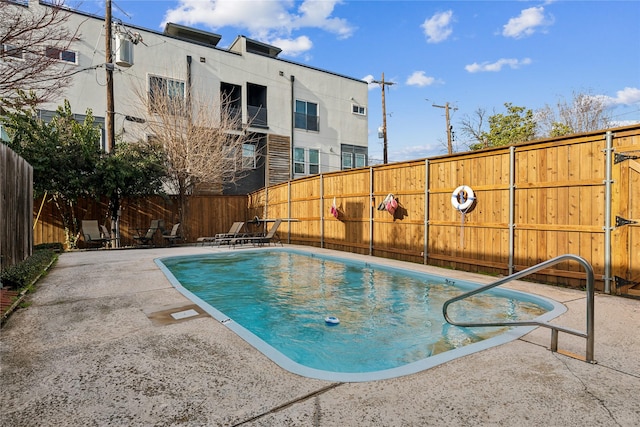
[554, 328]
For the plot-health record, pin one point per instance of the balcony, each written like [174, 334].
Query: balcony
[257, 116]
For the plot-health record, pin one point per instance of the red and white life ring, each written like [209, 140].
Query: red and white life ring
[462, 198]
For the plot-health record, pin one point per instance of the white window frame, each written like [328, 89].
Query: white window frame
[306, 116]
[169, 83]
[304, 165]
[248, 156]
[347, 160]
[358, 109]
[299, 165]
[314, 167]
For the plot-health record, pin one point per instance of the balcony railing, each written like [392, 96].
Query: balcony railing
[257, 116]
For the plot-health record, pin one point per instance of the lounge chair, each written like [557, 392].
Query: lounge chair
[219, 238]
[107, 235]
[260, 239]
[173, 236]
[147, 237]
[92, 234]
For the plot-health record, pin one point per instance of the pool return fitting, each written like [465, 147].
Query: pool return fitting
[554, 328]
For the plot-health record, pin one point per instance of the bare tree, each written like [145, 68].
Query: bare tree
[34, 41]
[203, 140]
[473, 128]
[583, 113]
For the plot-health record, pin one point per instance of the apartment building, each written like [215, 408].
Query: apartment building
[306, 120]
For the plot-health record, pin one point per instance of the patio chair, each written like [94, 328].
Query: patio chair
[234, 231]
[261, 239]
[107, 235]
[173, 236]
[147, 237]
[92, 234]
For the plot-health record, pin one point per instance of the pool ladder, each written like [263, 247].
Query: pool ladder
[554, 328]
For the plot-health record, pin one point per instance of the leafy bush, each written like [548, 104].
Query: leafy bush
[26, 272]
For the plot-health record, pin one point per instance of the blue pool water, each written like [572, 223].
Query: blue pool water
[391, 320]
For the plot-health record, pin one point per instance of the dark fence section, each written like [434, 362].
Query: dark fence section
[16, 207]
[205, 216]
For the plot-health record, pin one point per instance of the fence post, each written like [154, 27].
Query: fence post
[425, 247]
[321, 210]
[371, 203]
[512, 208]
[607, 213]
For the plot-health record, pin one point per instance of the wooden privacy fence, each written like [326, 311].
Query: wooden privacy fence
[577, 195]
[16, 205]
[205, 216]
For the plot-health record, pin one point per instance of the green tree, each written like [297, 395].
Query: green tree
[517, 125]
[68, 162]
[63, 153]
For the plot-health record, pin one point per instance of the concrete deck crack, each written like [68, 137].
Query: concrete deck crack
[587, 391]
[290, 403]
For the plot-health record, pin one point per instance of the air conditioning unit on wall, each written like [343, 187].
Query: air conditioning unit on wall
[123, 51]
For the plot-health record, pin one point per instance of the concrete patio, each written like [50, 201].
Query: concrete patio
[96, 347]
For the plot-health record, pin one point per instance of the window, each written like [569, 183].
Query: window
[347, 160]
[314, 162]
[353, 156]
[61, 55]
[257, 105]
[358, 109]
[166, 93]
[298, 160]
[306, 161]
[248, 156]
[231, 100]
[306, 116]
[10, 51]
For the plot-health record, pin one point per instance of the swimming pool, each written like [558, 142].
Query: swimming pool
[391, 320]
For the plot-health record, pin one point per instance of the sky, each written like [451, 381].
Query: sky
[471, 54]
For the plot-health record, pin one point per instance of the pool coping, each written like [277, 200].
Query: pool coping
[411, 368]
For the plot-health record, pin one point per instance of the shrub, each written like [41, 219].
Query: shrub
[26, 272]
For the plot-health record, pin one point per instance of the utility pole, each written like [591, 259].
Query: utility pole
[110, 146]
[446, 109]
[109, 122]
[382, 83]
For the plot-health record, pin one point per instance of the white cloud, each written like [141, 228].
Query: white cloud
[265, 20]
[293, 47]
[626, 96]
[369, 79]
[497, 66]
[438, 27]
[526, 23]
[418, 78]
[317, 14]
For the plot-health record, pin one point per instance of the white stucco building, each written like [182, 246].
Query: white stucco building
[308, 120]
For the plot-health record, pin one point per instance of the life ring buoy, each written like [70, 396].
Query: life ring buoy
[331, 320]
[462, 198]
